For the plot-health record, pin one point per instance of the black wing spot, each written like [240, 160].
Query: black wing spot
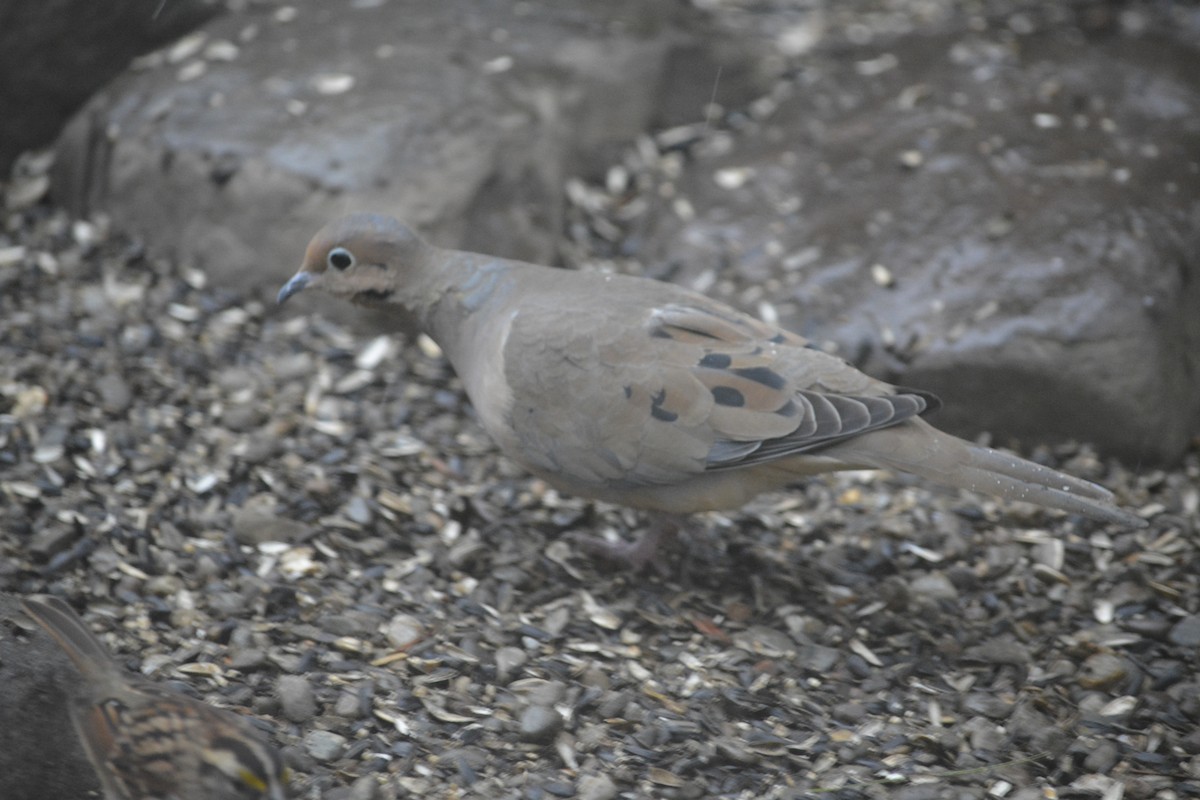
[661, 333]
[728, 396]
[656, 409]
[628, 392]
[764, 375]
[788, 409]
[716, 361]
[662, 415]
[778, 338]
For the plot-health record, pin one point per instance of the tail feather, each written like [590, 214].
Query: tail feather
[919, 448]
[85, 650]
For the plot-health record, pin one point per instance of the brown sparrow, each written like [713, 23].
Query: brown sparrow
[147, 742]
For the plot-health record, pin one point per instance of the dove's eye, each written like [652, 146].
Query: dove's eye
[340, 258]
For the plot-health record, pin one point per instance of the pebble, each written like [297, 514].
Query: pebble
[539, 724]
[50, 540]
[849, 713]
[324, 745]
[597, 787]
[509, 659]
[365, 788]
[1186, 632]
[819, 658]
[984, 735]
[115, 395]
[347, 705]
[296, 698]
[259, 447]
[253, 527]
[245, 659]
[1103, 758]
[539, 692]
[164, 585]
[934, 586]
[243, 418]
[1190, 744]
[357, 510]
[403, 631]
[989, 705]
[1102, 671]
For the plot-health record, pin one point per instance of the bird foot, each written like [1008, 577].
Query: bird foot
[635, 556]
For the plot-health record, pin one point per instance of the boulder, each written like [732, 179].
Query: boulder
[1002, 210]
[1006, 215]
[463, 118]
[55, 53]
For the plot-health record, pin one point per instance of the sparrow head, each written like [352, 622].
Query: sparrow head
[359, 257]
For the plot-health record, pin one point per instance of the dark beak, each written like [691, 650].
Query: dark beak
[298, 283]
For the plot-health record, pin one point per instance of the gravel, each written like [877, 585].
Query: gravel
[266, 509]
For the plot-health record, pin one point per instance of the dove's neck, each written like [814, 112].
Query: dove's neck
[463, 301]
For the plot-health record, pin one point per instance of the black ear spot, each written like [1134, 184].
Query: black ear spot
[340, 258]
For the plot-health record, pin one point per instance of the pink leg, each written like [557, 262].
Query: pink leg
[636, 555]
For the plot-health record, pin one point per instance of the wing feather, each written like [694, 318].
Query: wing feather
[688, 386]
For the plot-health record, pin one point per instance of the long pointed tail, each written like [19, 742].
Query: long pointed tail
[62, 623]
[919, 448]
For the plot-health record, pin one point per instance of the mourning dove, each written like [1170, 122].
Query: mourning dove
[647, 394]
[146, 741]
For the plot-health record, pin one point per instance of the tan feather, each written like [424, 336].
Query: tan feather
[647, 394]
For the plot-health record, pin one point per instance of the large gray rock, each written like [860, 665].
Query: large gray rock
[40, 753]
[1011, 220]
[55, 53]
[1005, 213]
[462, 117]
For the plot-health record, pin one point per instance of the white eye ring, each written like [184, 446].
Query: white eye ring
[340, 258]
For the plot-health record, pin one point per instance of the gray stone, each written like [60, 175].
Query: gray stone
[538, 691]
[365, 788]
[253, 526]
[296, 698]
[348, 705]
[1186, 632]
[55, 53]
[358, 510]
[246, 659]
[849, 713]
[324, 745]
[51, 539]
[463, 118]
[818, 658]
[539, 724]
[1103, 758]
[989, 705]
[509, 659]
[243, 417]
[1011, 225]
[933, 586]
[597, 787]
[403, 631]
[115, 395]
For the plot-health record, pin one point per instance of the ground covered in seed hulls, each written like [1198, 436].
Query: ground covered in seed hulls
[308, 524]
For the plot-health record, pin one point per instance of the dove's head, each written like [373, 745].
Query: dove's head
[360, 257]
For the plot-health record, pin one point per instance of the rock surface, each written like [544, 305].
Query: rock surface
[1001, 210]
[55, 53]
[1006, 218]
[463, 118]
